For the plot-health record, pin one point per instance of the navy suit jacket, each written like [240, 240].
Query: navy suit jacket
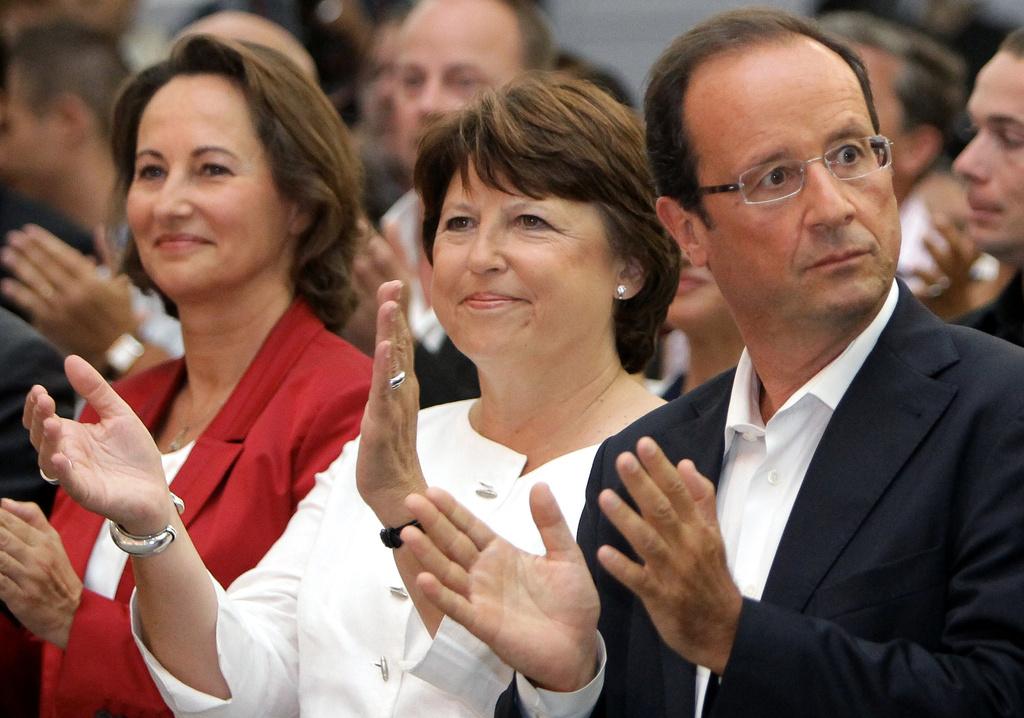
[898, 585]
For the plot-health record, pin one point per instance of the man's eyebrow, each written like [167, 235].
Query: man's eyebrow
[1005, 122]
[848, 131]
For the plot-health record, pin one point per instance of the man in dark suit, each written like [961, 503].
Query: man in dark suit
[859, 547]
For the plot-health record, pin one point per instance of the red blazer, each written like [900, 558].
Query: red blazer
[299, 401]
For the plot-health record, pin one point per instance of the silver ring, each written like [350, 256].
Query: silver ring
[47, 479]
[396, 381]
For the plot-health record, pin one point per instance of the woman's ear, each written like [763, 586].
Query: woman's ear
[632, 277]
[301, 219]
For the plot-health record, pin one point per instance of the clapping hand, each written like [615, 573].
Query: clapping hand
[388, 468]
[112, 468]
[37, 581]
[683, 580]
[537, 613]
[948, 287]
[78, 307]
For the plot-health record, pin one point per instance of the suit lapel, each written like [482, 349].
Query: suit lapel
[700, 438]
[860, 454]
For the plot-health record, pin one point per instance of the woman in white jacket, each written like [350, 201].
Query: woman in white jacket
[550, 272]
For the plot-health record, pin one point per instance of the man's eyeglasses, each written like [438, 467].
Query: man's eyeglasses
[773, 181]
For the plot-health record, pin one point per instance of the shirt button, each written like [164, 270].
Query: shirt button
[398, 591]
[773, 477]
[486, 491]
[383, 666]
[750, 590]
[749, 436]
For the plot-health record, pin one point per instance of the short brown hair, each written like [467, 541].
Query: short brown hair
[311, 158]
[1014, 43]
[930, 84]
[552, 136]
[672, 155]
[63, 57]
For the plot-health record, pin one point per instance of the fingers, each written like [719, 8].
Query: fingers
[92, 387]
[46, 249]
[34, 261]
[448, 566]
[702, 491]
[656, 487]
[18, 534]
[554, 531]
[629, 573]
[28, 512]
[39, 405]
[28, 300]
[454, 605]
[460, 540]
[102, 244]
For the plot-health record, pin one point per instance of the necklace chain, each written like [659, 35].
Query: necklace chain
[179, 439]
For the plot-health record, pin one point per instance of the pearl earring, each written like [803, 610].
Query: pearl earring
[620, 292]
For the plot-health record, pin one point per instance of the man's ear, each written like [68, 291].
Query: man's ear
[686, 228]
[75, 119]
[920, 148]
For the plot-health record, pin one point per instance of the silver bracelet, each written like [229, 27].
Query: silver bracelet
[142, 546]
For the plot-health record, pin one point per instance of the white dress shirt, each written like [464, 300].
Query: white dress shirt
[322, 626]
[762, 472]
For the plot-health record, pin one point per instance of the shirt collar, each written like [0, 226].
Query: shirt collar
[828, 385]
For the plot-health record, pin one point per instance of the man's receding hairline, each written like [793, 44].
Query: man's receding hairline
[780, 40]
[417, 7]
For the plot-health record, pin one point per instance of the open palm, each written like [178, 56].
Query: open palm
[112, 468]
[537, 613]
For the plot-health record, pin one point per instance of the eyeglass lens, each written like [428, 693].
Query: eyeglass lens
[777, 180]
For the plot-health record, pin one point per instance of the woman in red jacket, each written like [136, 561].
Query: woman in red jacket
[241, 196]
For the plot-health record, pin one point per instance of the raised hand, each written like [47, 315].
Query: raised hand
[112, 468]
[537, 613]
[388, 468]
[37, 581]
[948, 288]
[684, 581]
[75, 304]
[379, 260]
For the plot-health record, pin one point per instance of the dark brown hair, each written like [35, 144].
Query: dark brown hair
[552, 136]
[307, 147]
[1014, 43]
[930, 84]
[672, 155]
[63, 57]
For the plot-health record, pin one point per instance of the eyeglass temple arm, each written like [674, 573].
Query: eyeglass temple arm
[715, 189]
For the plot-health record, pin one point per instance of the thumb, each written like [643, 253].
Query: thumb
[94, 388]
[554, 531]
